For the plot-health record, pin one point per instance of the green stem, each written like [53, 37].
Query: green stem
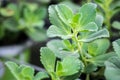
[79, 45]
[87, 77]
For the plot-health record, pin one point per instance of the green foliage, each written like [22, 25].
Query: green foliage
[27, 17]
[110, 8]
[66, 67]
[24, 72]
[113, 64]
[83, 47]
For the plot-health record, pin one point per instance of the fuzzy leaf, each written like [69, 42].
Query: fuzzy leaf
[99, 21]
[88, 12]
[96, 35]
[54, 31]
[99, 60]
[48, 59]
[58, 23]
[21, 72]
[116, 46]
[69, 66]
[90, 27]
[98, 47]
[112, 71]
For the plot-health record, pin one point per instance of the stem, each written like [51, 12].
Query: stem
[87, 77]
[79, 45]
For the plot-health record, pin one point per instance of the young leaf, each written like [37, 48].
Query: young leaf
[48, 59]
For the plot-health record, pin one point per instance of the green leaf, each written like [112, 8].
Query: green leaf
[63, 12]
[54, 31]
[48, 59]
[112, 71]
[99, 21]
[90, 68]
[58, 23]
[69, 66]
[68, 45]
[21, 72]
[11, 24]
[37, 34]
[96, 35]
[13, 68]
[41, 75]
[116, 46]
[88, 12]
[90, 27]
[116, 25]
[98, 47]
[57, 46]
[99, 60]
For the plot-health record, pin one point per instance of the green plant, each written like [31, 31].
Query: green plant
[80, 49]
[26, 17]
[110, 8]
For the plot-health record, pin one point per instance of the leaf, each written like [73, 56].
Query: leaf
[13, 68]
[116, 25]
[57, 46]
[68, 45]
[11, 24]
[99, 21]
[88, 12]
[54, 31]
[90, 68]
[98, 47]
[96, 35]
[116, 46]
[37, 34]
[41, 75]
[63, 12]
[60, 26]
[48, 59]
[21, 72]
[90, 27]
[69, 66]
[99, 60]
[112, 70]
